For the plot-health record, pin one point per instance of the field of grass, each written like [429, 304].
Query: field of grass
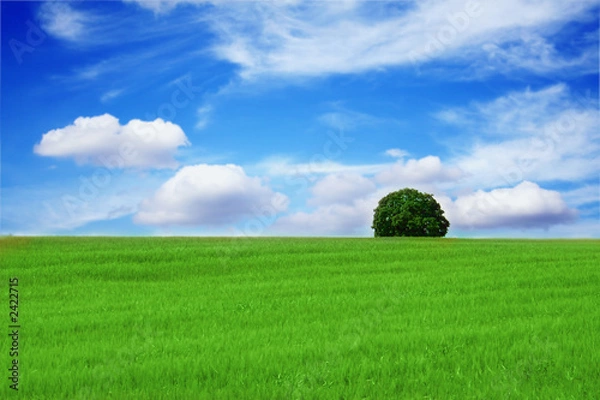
[289, 318]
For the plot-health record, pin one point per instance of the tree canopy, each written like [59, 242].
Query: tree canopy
[408, 212]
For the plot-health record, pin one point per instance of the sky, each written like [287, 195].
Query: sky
[295, 117]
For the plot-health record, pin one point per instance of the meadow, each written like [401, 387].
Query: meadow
[303, 318]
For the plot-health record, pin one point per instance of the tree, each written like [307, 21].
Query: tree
[408, 212]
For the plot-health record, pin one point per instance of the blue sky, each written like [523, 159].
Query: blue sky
[193, 117]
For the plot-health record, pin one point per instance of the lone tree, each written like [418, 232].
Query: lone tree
[408, 212]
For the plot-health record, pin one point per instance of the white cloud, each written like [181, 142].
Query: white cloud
[341, 188]
[287, 40]
[523, 206]
[425, 170]
[343, 216]
[396, 153]
[526, 206]
[545, 135]
[516, 113]
[110, 95]
[320, 165]
[584, 195]
[535, 53]
[333, 219]
[209, 195]
[344, 203]
[300, 38]
[203, 114]
[346, 120]
[164, 6]
[103, 141]
[62, 21]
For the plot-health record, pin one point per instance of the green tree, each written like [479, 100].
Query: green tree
[408, 212]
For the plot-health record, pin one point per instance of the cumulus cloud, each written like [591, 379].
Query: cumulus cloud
[341, 188]
[333, 219]
[523, 206]
[103, 141]
[344, 203]
[209, 195]
[425, 170]
[61, 20]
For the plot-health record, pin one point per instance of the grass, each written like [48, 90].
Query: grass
[289, 318]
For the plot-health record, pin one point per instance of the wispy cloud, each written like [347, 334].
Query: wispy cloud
[142, 61]
[48, 209]
[545, 135]
[203, 114]
[63, 21]
[396, 153]
[534, 53]
[122, 40]
[288, 40]
[111, 94]
[296, 40]
[342, 119]
[285, 166]
[164, 6]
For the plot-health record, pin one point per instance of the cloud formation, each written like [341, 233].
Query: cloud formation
[523, 206]
[341, 188]
[351, 37]
[425, 170]
[203, 114]
[103, 141]
[289, 38]
[353, 218]
[396, 153]
[62, 21]
[209, 195]
[550, 134]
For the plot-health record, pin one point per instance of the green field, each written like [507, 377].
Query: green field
[289, 318]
